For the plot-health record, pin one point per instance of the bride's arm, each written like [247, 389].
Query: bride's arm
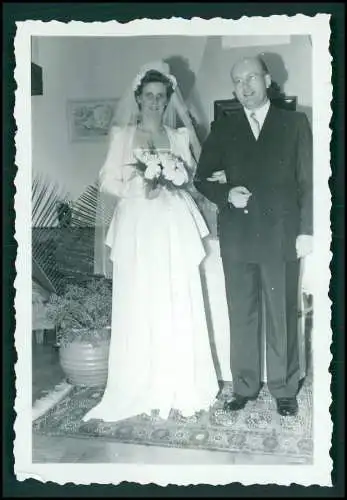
[115, 177]
[185, 152]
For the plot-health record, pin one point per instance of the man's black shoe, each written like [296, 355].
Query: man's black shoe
[287, 407]
[237, 402]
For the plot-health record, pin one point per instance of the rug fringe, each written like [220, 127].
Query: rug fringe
[44, 404]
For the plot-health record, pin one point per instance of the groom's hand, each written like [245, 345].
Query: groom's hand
[239, 196]
[304, 245]
[218, 177]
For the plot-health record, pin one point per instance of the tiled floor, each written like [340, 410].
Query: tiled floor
[47, 373]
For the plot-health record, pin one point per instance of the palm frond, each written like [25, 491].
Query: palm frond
[84, 209]
[45, 196]
[40, 277]
[63, 251]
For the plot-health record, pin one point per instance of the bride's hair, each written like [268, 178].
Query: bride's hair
[154, 76]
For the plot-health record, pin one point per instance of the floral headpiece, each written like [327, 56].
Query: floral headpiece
[156, 66]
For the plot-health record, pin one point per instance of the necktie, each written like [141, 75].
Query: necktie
[256, 127]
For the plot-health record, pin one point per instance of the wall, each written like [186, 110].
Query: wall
[289, 64]
[75, 68]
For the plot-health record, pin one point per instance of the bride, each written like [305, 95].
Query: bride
[160, 356]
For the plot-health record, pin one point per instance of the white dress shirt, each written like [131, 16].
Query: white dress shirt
[260, 114]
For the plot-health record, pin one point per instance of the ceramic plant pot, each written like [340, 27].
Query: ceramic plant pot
[85, 363]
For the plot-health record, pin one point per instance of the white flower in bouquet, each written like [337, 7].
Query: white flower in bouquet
[174, 170]
[168, 174]
[181, 167]
[153, 170]
[169, 166]
[142, 156]
[168, 161]
[179, 178]
[181, 174]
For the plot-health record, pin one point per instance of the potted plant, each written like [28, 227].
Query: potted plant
[82, 316]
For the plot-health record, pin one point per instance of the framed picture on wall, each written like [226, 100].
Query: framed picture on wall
[90, 119]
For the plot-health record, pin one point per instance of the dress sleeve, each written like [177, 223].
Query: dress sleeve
[184, 139]
[116, 177]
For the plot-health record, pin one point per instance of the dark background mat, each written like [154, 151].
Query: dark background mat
[124, 12]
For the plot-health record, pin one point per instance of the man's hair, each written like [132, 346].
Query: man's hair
[263, 65]
[258, 58]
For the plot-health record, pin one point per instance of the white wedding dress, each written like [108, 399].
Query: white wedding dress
[160, 356]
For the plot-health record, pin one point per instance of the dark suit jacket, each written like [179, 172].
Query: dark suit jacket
[277, 169]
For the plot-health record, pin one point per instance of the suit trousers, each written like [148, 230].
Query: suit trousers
[245, 283]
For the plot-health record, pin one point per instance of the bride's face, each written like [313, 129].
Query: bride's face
[153, 99]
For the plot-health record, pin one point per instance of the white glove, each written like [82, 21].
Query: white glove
[218, 177]
[304, 245]
[239, 196]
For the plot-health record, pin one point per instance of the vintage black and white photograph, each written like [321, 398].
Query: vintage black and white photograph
[172, 220]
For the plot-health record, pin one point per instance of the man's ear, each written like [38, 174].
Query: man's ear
[267, 80]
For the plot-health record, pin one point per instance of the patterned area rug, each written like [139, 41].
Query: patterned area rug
[257, 429]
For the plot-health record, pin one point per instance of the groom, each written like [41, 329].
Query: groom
[265, 224]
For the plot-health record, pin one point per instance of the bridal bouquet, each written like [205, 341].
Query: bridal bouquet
[161, 169]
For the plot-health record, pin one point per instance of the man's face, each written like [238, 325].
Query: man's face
[250, 83]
